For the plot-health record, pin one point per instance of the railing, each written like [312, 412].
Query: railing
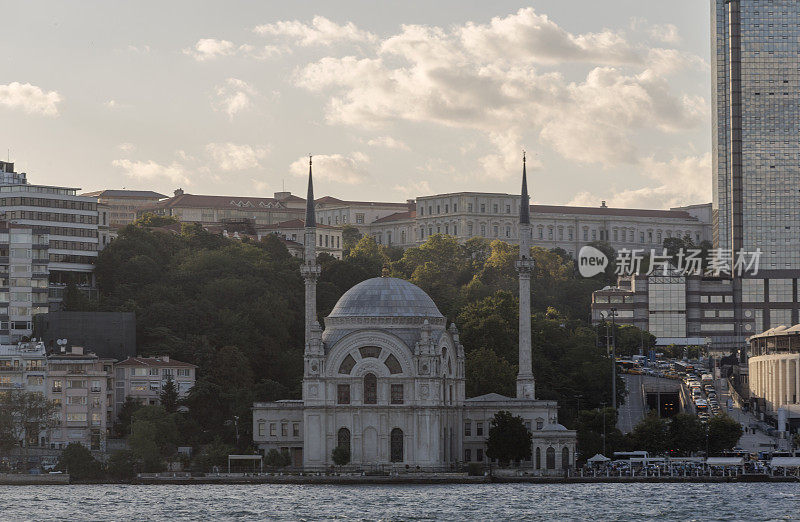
[57, 389]
[95, 388]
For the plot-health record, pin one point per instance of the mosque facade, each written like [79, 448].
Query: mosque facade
[385, 378]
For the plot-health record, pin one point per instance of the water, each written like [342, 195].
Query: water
[396, 502]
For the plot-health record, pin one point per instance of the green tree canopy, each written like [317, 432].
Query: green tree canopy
[724, 433]
[78, 461]
[509, 440]
[650, 435]
[686, 434]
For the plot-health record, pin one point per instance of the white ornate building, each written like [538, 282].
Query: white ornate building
[386, 379]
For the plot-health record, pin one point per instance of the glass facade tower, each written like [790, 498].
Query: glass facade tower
[755, 68]
[756, 136]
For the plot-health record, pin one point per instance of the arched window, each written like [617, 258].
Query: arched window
[343, 438]
[551, 458]
[370, 389]
[538, 458]
[565, 458]
[396, 448]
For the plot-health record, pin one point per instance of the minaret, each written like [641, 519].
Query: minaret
[525, 382]
[310, 271]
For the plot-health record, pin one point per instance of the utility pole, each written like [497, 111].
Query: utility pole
[604, 427]
[613, 313]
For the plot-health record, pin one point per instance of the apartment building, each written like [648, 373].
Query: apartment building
[329, 238]
[124, 204]
[69, 224]
[24, 273]
[143, 378]
[81, 384]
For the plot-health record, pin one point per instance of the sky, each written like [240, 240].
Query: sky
[395, 99]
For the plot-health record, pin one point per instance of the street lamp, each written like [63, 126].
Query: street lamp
[613, 314]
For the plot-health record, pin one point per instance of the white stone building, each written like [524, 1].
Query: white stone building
[774, 372]
[143, 379]
[329, 238]
[385, 378]
[337, 212]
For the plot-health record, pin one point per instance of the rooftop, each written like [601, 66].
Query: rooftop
[609, 211]
[292, 223]
[113, 193]
[397, 216]
[155, 362]
[330, 200]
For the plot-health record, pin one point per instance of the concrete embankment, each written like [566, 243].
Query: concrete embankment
[15, 479]
[440, 479]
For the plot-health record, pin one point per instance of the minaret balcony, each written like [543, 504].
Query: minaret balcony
[524, 265]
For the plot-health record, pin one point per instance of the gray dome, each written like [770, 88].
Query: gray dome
[385, 297]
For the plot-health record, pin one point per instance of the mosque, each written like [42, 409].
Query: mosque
[385, 378]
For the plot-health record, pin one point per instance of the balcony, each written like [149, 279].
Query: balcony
[95, 389]
[57, 389]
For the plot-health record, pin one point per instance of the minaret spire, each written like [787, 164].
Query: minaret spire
[310, 271]
[525, 382]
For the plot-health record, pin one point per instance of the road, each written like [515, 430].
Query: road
[635, 407]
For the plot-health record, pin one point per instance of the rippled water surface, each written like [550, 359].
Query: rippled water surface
[447, 502]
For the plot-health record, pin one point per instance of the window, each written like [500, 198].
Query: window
[551, 458]
[538, 458]
[467, 455]
[272, 430]
[261, 428]
[347, 366]
[343, 394]
[343, 438]
[565, 458]
[469, 207]
[468, 429]
[284, 429]
[483, 208]
[479, 454]
[359, 219]
[76, 417]
[479, 429]
[183, 372]
[495, 208]
[153, 371]
[295, 430]
[539, 424]
[76, 400]
[370, 389]
[96, 419]
[397, 394]
[396, 445]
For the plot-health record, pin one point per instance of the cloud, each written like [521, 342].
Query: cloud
[142, 49]
[536, 38]
[413, 189]
[337, 168]
[233, 97]
[666, 33]
[321, 31]
[387, 142]
[230, 156]
[486, 78]
[126, 147]
[677, 182]
[211, 48]
[152, 171]
[29, 98]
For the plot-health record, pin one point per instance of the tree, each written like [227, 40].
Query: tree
[76, 301]
[277, 459]
[723, 433]
[486, 372]
[214, 454]
[350, 237]
[591, 431]
[121, 465]
[148, 219]
[509, 439]
[23, 416]
[631, 339]
[154, 436]
[686, 434]
[126, 411]
[650, 435]
[78, 461]
[341, 455]
[169, 396]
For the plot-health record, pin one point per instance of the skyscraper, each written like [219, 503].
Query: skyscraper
[755, 71]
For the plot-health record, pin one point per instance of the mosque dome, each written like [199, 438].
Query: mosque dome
[385, 297]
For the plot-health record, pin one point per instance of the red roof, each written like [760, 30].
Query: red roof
[154, 362]
[397, 216]
[607, 211]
